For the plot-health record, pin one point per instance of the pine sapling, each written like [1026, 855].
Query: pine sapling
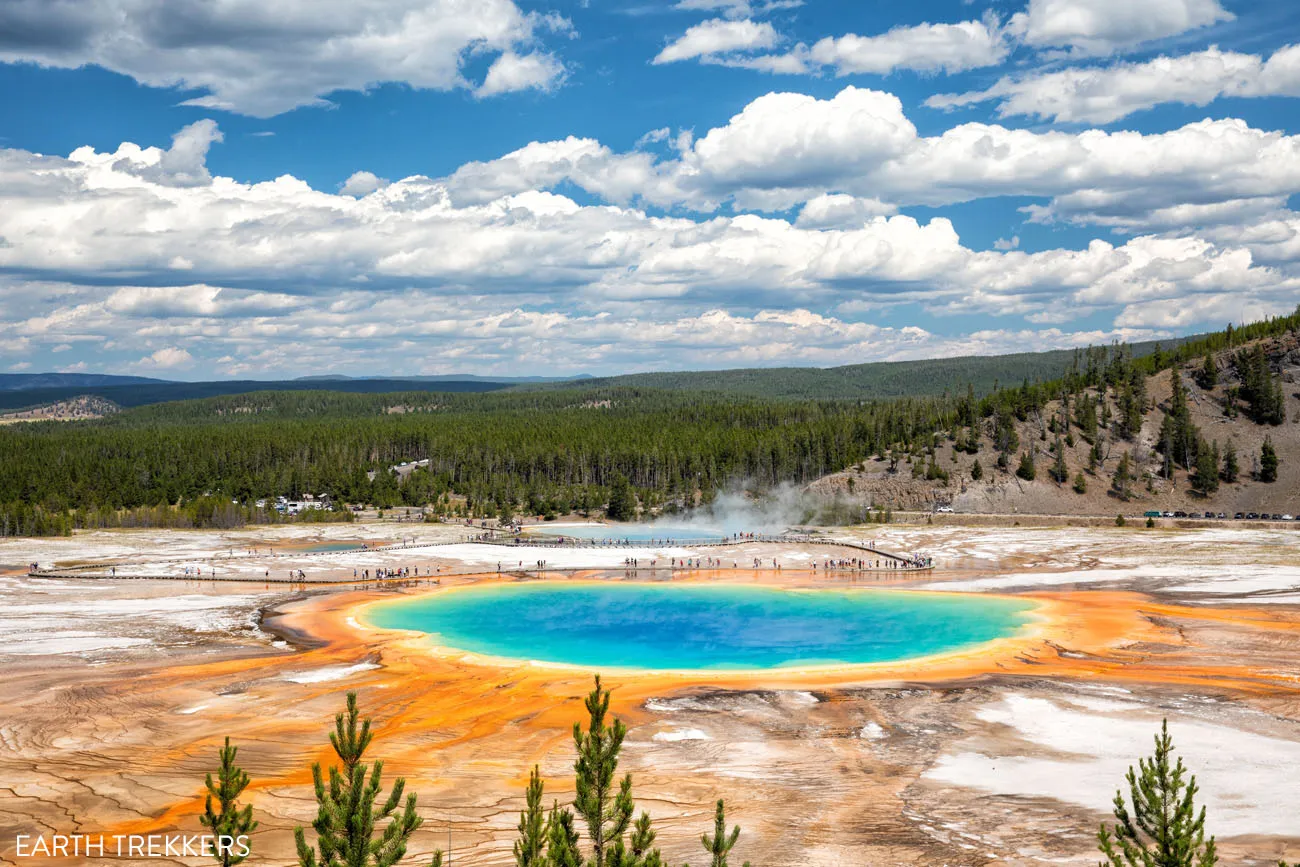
[1164, 829]
[229, 821]
[347, 818]
[530, 847]
[561, 839]
[606, 813]
[719, 846]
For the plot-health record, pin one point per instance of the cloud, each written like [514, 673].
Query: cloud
[1108, 93]
[836, 210]
[1012, 243]
[266, 59]
[736, 8]
[717, 37]
[785, 149]
[1099, 27]
[946, 48]
[167, 358]
[478, 268]
[926, 48]
[513, 72]
[362, 184]
[184, 164]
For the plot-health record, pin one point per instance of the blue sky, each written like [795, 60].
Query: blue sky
[434, 186]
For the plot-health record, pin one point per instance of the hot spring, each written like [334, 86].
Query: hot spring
[719, 626]
[666, 533]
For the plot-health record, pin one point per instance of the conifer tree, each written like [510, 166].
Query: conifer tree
[1085, 416]
[1268, 461]
[622, 501]
[1208, 376]
[1080, 483]
[346, 821]
[976, 471]
[606, 813]
[1205, 480]
[229, 821]
[719, 846]
[1059, 472]
[529, 848]
[1231, 469]
[638, 851]
[1026, 470]
[1179, 440]
[1122, 478]
[561, 839]
[1164, 829]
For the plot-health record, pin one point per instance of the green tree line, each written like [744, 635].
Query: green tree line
[207, 462]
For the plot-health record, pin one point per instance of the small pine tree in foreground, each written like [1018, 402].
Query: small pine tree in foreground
[606, 811]
[530, 847]
[1164, 829]
[346, 822]
[229, 820]
[719, 846]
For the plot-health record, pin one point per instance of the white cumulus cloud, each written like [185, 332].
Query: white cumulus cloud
[167, 358]
[717, 37]
[1103, 94]
[927, 47]
[1107, 26]
[263, 59]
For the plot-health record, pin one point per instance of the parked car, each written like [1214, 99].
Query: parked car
[1252, 516]
[1166, 514]
[1155, 513]
[1239, 516]
[1180, 514]
[1220, 516]
[944, 509]
[1288, 517]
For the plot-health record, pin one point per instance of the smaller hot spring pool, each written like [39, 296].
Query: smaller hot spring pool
[632, 532]
[333, 547]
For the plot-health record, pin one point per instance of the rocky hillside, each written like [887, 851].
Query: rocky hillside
[74, 409]
[1216, 416]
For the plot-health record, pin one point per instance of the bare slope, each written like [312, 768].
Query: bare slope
[1001, 491]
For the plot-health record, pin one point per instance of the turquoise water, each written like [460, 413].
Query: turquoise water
[634, 532]
[719, 626]
[329, 547]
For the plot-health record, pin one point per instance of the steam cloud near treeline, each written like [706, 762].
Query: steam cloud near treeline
[745, 509]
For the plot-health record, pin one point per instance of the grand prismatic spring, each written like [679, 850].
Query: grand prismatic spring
[981, 712]
[673, 627]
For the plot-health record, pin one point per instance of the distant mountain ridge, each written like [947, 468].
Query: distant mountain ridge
[874, 380]
[869, 381]
[28, 381]
[143, 394]
[448, 377]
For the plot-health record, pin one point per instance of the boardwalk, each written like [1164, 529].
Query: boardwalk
[892, 562]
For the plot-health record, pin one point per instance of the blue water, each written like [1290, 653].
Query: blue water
[719, 626]
[329, 547]
[634, 532]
